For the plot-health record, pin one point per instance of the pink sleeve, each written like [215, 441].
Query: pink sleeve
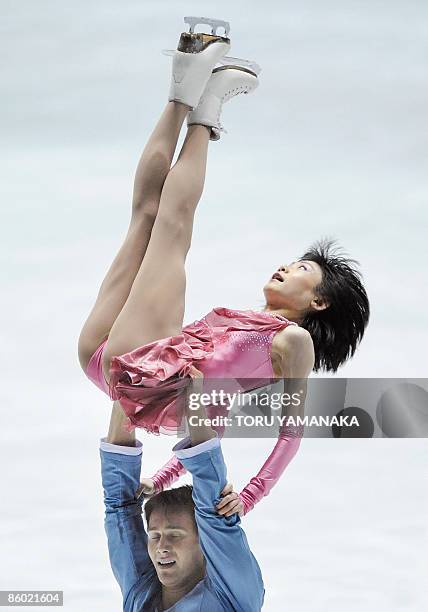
[259, 486]
[168, 474]
[173, 469]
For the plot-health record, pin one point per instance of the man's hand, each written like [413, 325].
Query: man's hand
[146, 488]
[231, 502]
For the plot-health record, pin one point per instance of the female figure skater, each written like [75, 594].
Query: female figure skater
[133, 344]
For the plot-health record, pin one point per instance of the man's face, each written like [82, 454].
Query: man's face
[174, 549]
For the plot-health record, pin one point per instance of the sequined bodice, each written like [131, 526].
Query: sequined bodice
[240, 353]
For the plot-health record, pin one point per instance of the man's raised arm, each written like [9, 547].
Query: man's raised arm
[120, 456]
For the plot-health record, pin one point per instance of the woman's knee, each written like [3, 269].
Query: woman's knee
[149, 182]
[144, 210]
[176, 220]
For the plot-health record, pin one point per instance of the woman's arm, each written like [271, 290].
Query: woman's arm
[261, 485]
[296, 355]
[117, 433]
[294, 348]
[168, 474]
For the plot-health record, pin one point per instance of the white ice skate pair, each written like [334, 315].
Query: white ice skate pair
[198, 84]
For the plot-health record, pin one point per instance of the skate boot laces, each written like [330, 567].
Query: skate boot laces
[231, 93]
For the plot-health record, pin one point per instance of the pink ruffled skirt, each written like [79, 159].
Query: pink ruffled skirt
[150, 381]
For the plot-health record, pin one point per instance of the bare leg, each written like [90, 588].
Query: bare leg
[155, 306]
[151, 173]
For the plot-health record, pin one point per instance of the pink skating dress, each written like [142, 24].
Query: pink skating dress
[226, 344]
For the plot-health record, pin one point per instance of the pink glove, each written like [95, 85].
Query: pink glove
[168, 474]
[259, 486]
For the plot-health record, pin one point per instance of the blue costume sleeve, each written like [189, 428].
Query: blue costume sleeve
[231, 566]
[127, 538]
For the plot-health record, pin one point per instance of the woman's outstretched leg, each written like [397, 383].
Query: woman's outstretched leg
[151, 173]
[155, 306]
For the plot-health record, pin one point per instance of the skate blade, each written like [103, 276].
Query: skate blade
[227, 60]
[193, 22]
[234, 67]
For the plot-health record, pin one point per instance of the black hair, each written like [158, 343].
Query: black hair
[337, 330]
[179, 498]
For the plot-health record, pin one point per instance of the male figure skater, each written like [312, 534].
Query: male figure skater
[191, 558]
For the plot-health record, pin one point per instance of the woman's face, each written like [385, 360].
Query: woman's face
[292, 287]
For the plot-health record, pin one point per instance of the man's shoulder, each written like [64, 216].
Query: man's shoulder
[202, 597]
[144, 595]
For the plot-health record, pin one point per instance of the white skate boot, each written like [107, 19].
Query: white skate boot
[196, 55]
[224, 83]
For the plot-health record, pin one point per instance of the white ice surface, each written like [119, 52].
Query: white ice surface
[333, 142]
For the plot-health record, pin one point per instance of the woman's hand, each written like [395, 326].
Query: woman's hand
[146, 488]
[231, 502]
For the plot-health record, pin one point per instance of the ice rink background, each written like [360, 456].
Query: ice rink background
[334, 142]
